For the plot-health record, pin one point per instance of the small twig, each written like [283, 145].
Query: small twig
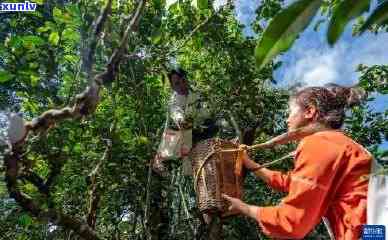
[185, 206]
[95, 189]
[236, 127]
[148, 198]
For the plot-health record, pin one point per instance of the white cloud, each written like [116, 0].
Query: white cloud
[245, 11]
[312, 62]
[320, 75]
[311, 67]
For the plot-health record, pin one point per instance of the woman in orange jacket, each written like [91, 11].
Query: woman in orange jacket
[326, 181]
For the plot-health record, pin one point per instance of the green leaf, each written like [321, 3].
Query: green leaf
[172, 3]
[34, 80]
[284, 29]
[200, 4]
[31, 41]
[15, 42]
[343, 13]
[54, 38]
[156, 36]
[379, 16]
[25, 220]
[70, 35]
[47, 27]
[39, 2]
[33, 65]
[71, 58]
[158, 3]
[5, 76]
[57, 14]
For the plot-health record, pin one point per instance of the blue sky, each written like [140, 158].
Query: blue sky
[312, 62]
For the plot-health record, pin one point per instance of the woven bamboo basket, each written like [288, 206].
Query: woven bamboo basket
[216, 173]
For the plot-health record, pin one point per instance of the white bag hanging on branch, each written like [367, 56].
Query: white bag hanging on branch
[175, 144]
[170, 145]
[12, 127]
[377, 210]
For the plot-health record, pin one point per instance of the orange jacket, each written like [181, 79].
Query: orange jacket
[325, 182]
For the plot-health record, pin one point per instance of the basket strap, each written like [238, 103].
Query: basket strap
[285, 137]
[289, 155]
[239, 164]
[196, 177]
[238, 172]
[220, 164]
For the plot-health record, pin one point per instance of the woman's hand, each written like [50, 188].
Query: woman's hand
[248, 163]
[235, 204]
[239, 207]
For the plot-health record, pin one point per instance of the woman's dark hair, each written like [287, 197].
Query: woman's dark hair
[331, 102]
[178, 71]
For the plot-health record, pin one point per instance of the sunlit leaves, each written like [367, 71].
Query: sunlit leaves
[61, 16]
[70, 35]
[73, 59]
[34, 79]
[374, 78]
[5, 76]
[200, 4]
[31, 41]
[48, 26]
[40, 2]
[25, 220]
[169, 3]
[54, 38]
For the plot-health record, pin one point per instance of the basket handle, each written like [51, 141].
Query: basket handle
[196, 177]
[285, 137]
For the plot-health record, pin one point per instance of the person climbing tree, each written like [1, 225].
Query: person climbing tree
[188, 119]
[327, 179]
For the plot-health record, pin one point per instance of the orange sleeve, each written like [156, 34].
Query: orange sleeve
[310, 181]
[278, 180]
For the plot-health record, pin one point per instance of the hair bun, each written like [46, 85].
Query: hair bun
[347, 96]
[355, 97]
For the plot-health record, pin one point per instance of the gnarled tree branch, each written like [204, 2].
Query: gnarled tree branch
[98, 25]
[87, 101]
[85, 104]
[52, 215]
